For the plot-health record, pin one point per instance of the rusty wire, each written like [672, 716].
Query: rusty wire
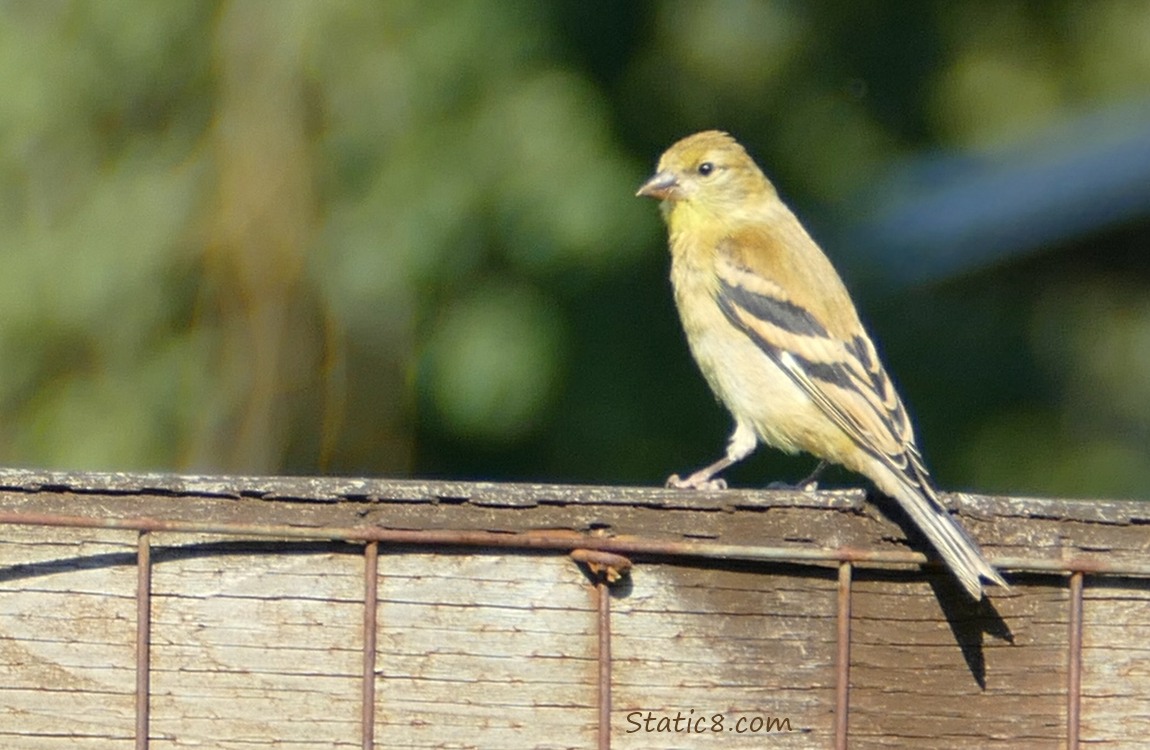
[562, 540]
[370, 610]
[843, 657]
[603, 596]
[143, 638]
[1074, 667]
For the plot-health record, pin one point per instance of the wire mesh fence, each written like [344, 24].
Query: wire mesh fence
[373, 613]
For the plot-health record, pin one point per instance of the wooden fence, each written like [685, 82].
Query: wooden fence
[148, 611]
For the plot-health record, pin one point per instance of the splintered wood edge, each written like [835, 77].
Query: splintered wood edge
[527, 495]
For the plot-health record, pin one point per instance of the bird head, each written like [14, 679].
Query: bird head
[707, 170]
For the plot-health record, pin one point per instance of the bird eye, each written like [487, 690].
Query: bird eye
[706, 168]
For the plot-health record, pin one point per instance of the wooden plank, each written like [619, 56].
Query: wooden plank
[67, 630]
[917, 669]
[256, 642]
[485, 651]
[1115, 663]
[723, 645]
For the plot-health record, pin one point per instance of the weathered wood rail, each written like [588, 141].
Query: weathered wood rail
[155, 611]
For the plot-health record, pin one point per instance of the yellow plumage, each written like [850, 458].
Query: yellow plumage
[778, 339]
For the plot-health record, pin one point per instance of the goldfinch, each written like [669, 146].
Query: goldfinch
[774, 331]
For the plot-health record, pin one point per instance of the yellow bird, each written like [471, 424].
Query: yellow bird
[778, 339]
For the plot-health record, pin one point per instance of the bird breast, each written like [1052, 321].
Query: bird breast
[748, 382]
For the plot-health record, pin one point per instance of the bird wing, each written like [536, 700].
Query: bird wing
[842, 376]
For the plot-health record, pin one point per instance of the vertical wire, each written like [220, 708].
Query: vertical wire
[843, 657]
[604, 659]
[1074, 668]
[370, 607]
[143, 638]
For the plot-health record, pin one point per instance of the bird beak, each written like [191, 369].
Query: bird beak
[661, 186]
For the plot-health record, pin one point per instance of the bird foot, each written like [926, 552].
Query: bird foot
[810, 486]
[809, 483]
[697, 481]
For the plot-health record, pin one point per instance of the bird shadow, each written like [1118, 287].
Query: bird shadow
[969, 621]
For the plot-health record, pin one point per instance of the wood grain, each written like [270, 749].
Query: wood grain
[257, 642]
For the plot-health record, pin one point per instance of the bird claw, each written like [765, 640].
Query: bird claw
[696, 482]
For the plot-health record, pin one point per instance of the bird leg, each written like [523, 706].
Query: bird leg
[743, 441]
[810, 483]
[703, 478]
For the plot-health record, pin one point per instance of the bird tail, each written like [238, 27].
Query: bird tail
[958, 549]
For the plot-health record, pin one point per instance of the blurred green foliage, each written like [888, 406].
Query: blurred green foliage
[400, 237]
